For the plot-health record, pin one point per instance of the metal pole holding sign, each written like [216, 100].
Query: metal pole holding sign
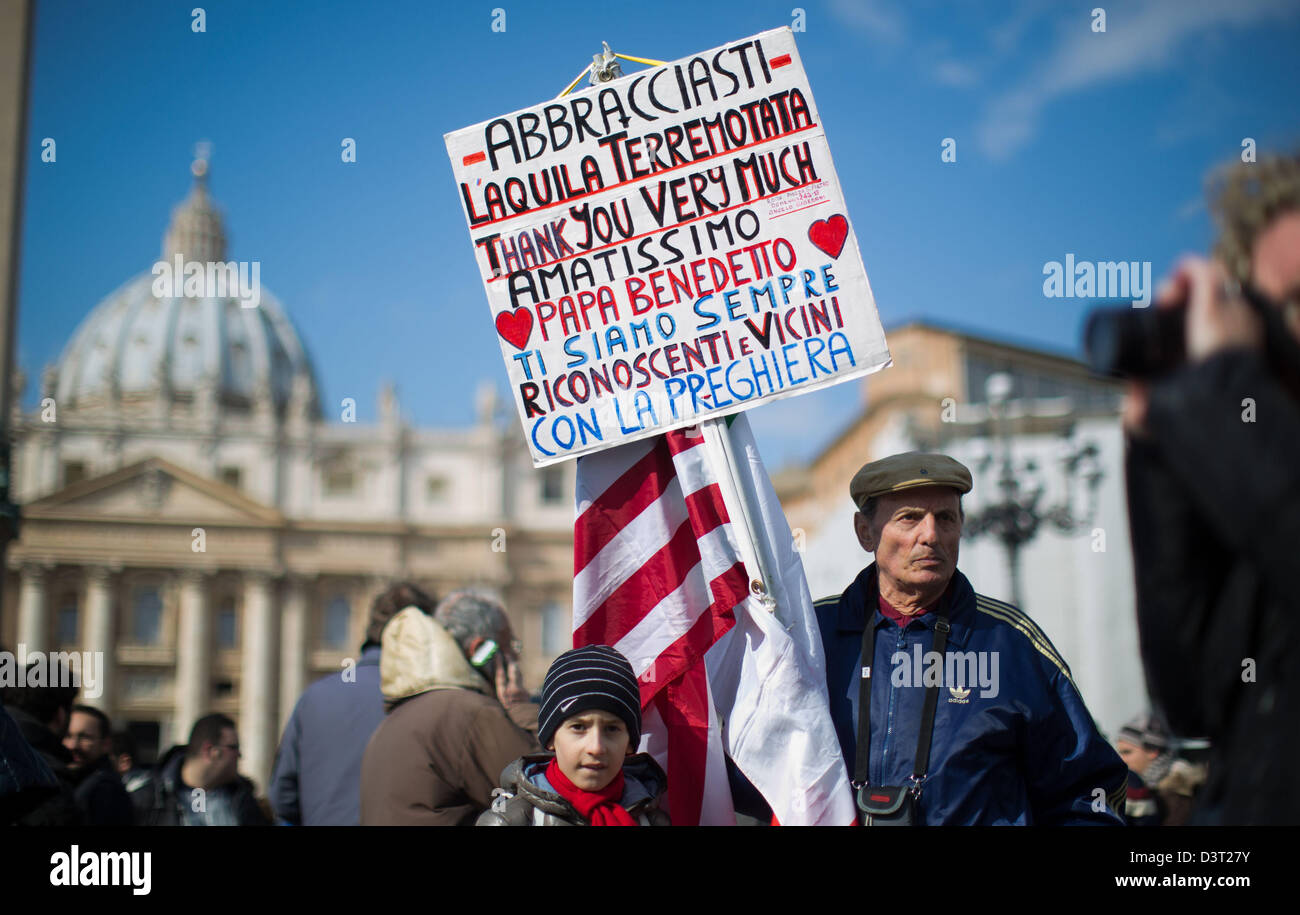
[746, 500]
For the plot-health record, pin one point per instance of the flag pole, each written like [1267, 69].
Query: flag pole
[760, 587]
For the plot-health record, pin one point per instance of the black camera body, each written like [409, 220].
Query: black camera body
[1121, 341]
[1127, 342]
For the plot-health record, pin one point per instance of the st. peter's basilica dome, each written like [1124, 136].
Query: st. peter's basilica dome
[136, 346]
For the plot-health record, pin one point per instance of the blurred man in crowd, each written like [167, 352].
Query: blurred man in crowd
[26, 782]
[41, 715]
[99, 790]
[136, 778]
[200, 785]
[1213, 470]
[458, 715]
[317, 776]
[1143, 744]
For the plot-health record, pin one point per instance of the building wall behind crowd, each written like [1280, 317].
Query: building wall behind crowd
[193, 511]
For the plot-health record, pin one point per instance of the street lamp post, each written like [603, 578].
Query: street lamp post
[1015, 517]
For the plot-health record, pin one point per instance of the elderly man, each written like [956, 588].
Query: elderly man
[973, 717]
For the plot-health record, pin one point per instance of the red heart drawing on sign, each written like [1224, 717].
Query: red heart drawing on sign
[516, 326]
[829, 234]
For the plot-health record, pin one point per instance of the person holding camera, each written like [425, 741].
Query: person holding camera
[1213, 469]
[457, 715]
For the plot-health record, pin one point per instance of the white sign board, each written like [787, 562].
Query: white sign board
[666, 247]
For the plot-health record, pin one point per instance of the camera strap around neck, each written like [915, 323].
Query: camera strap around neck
[862, 762]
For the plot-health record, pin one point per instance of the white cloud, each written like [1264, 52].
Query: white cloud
[956, 74]
[1005, 36]
[881, 20]
[1150, 37]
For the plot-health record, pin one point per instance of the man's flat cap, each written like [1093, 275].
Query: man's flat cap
[908, 471]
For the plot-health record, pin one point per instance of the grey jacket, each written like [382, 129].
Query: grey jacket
[317, 777]
[526, 798]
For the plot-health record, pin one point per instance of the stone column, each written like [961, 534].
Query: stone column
[99, 638]
[257, 687]
[51, 466]
[193, 655]
[33, 612]
[293, 646]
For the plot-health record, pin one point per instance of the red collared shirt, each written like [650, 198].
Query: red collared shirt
[902, 619]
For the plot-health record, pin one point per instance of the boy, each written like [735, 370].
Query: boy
[591, 721]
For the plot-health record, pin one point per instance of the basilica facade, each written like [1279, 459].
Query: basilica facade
[194, 513]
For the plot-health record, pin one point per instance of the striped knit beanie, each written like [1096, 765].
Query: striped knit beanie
[592, 677]
[1145, 731]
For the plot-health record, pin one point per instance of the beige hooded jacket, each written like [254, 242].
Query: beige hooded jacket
[436, 757]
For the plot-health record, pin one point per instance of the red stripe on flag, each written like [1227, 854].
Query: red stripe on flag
[680, 440]
[781, 61]
[706, 510]
[684, 706]
[661, 575]
[634, 599]
[612, 510]
[728, 590]
[474, 158]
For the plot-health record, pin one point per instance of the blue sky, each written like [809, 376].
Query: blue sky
[1068, 141]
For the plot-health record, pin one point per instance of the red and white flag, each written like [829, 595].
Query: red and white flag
[662, 560]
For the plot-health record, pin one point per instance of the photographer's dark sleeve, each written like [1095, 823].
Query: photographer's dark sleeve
[1231, 434]
[1206, 488]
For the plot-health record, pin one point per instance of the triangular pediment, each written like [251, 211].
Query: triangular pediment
[153, 489]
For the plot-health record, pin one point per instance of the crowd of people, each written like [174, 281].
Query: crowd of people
[79, 773]
[435, 726]
[421, 735]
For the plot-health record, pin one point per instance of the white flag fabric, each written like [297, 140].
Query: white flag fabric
[769, 672]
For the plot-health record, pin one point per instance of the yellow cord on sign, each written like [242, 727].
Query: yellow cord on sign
[628, 57]
[641, 60]
[577, 79]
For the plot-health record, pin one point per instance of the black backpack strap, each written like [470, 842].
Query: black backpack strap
[941, 630]
[863, 754]
[926, 733]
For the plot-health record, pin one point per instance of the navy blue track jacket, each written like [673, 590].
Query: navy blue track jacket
[1017, 748]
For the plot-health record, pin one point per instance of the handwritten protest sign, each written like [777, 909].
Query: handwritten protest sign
[666, 247]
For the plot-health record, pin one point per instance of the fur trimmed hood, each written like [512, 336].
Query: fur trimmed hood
[419, 655]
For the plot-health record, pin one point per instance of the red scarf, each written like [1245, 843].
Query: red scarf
[600, 808]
